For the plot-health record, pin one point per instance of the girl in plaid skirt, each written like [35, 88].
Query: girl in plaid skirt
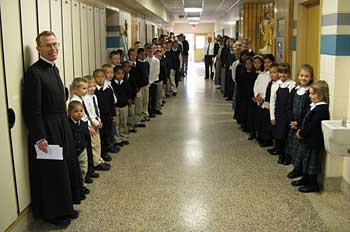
[299, 104]
[311, 138]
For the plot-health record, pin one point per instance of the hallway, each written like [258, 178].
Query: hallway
[191, 169]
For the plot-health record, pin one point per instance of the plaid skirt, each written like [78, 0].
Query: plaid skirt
[292, 145]
[308, 159]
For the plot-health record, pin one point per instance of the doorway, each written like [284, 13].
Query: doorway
[308, 34]
[190, 39]
[199, 43]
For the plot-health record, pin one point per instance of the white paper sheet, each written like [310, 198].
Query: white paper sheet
[55, 152]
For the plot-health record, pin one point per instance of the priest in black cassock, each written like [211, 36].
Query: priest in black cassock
[55, 184]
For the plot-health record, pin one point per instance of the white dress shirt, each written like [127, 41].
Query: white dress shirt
[89, 102]
[154, 69]
[233, 68]
[290, 84]
[261, 83]
[211, 49]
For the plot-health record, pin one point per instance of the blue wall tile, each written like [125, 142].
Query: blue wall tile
[337, 45]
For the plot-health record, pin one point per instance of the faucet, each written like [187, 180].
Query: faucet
[343, 122]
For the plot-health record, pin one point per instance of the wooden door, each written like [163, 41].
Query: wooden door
[134, 30]
[199, 42]
[309, 35]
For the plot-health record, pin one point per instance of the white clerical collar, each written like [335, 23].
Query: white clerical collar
[315, 104]
[143, 61]
[47, 61]
[302, 90]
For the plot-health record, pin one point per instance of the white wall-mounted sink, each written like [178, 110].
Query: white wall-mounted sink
[336, 136]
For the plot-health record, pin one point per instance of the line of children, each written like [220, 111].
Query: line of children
[107, 106]
[270, 106]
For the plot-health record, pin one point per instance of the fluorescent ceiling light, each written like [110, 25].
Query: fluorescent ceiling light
[192, 9]
[193, 23]
[193, 18]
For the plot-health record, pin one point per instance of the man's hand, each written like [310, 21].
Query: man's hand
[43, 145]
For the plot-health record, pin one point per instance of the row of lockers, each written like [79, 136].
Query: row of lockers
[81, 30]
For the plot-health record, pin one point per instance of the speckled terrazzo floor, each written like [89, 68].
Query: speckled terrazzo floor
[191, 169]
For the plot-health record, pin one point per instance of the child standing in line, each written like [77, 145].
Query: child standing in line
[133, 92]
[248, 78]
[279, 111]
[80, 133]
[108, 69]
[252, 106]
[96, 124]
[265, 129]
[79, 89]
[115, 58]
[122, 91]
[105, 100]
[263, 122]
[311, 138]
[299, 104]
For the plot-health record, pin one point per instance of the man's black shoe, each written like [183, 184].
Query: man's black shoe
[300, 182]
[60, 222]
[293, 174]
[74, 215]
[140, 125]
[309, 189]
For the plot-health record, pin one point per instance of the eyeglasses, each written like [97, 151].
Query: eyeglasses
[51, 46]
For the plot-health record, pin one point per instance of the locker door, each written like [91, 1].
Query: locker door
[97, 38]
[44, 19]
[91, 38]
[56, 27]
[76, 38]
[29, 20]
[84, 39]
[13, 65]
[8, 204]
[103, 36]
[67, 41]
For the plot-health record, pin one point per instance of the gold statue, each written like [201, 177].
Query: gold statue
[266, 29]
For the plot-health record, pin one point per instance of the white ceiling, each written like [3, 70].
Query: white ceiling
[213, 10]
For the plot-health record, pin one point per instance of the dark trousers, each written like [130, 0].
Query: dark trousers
[105, 133]
[279, 145]
[177, 77]
[91, 168]
[208, 62]
[152, 99]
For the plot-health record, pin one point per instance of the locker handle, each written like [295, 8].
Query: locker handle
[11, 117]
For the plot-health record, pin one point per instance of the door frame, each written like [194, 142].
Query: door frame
[301, 43]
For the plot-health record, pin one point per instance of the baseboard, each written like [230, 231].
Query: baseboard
[336, 184]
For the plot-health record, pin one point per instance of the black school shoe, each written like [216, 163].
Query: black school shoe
[309, 188]
[140, 125]
[280, 160]
[112, 149]
[125, 143]
[107, 157]
[159, 112]
[59, 222]
[88, 180]
[94, 175]
[272, 151]
[251, 136]
[103, 167]
[86, 190]
[293, 174]
[301, 182]
[132, 130]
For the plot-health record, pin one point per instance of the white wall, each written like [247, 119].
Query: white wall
[200, 28]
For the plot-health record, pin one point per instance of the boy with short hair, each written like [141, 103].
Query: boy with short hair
[122, 91]
[106, 103]
[95, 122]
[142, 81]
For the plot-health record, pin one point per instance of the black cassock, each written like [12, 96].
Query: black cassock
[55, 184]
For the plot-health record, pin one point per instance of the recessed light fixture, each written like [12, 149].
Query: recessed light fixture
[193, 18]
[192, 10]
